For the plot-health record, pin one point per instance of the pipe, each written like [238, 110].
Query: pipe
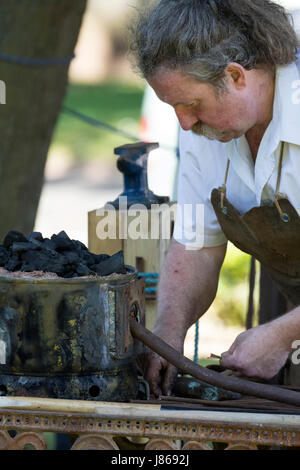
[187, 366]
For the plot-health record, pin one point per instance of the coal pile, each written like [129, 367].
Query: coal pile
[59, 254]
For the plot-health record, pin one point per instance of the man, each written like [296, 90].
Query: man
[230, 70]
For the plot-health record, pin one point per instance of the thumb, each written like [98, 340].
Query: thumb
[226, 359]
[227, 354]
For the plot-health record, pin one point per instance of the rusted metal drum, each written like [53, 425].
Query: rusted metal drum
[70, 338]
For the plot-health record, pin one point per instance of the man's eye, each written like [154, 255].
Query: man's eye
[194, 104]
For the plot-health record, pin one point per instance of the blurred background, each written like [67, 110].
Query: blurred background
[81, 172]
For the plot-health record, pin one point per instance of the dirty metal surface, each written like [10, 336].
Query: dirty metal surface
[70, 338]
[149, 427]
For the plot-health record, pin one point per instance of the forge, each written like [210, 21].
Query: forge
[64, 333]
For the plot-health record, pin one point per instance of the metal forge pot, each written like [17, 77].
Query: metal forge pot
[70, 338]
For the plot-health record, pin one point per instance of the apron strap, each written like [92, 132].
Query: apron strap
[222, 189]
[284, 217]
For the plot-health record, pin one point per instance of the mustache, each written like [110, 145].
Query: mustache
[209, 132]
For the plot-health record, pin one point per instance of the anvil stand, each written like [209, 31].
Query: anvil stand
[146, 253]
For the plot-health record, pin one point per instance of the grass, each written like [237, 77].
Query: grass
[115, 103]
[204, 362]
[233, 293]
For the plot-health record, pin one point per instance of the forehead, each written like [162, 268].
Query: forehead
[175, 87]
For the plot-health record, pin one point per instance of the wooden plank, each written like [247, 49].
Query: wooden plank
[77, 406]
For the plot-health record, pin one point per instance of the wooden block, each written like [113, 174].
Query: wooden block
[149, 236]
[143, 235]
[96, 245]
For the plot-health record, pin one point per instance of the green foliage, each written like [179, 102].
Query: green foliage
[118, 104]
[232, 298]
[204, 362]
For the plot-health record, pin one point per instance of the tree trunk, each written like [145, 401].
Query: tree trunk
[31, 29]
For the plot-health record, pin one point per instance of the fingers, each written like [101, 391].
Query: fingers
[228, 358]
[153, 375]
[225, 360]
[229, 361]
[160, 375]
[169, 380]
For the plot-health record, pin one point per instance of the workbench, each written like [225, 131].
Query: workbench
[142, 426]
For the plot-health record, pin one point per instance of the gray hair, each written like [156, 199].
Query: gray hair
[201, 37]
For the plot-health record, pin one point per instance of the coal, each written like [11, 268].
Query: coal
[101, 258]
[4, 256]
[19, 247]
[59, 254]
[72, 257]
[35, 237]
[48, 245]
[115, 263]
[61, 242]
[83, 270]
[13, 263]
[13, 236]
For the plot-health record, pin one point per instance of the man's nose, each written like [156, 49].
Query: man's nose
[186, 118]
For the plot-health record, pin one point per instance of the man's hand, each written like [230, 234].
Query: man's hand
[187, 287]
[160, 374]
[260, 352]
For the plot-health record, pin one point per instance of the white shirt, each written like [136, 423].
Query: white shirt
[203, 166]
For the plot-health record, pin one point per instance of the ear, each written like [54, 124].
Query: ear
[236, 75]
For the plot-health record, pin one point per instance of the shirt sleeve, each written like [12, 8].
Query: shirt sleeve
[196, 224]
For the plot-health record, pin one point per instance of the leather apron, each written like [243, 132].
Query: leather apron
[269, 233]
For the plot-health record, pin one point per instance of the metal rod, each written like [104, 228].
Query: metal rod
[246, 403]
[187, 366]
[214, 356]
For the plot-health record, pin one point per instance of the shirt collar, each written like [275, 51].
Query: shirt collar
[286, 111]
[285, 125]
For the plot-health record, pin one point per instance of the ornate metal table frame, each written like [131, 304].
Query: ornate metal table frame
[98, 425]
